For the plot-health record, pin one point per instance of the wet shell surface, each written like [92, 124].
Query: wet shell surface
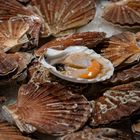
[97, 134]
[119, 102]
[13, 34]
[53, 57]
[9, 132]
[49, 108]
[122, 49]
[125, 76]
[89, 39]
[123, 12]
[61, 15]
[136, 127]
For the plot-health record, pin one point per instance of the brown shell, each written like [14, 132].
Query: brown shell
[97, 134]
[89, 39]
[13, 34]
[125, 76]
[136, 127]
[9, 132]
[116, 103]
[50, 109]
[61, 15]
[6, 67]
[123, 12]
[120, 48]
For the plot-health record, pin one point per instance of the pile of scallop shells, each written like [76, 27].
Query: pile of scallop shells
[58, 81]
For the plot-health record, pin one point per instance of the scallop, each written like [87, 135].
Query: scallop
[116, 103]
[136, 127]
[62, 15]
[48, 108]
[123, 12]
[122, 49]
[81, 65]
[89, 39]
[9, 132]
[97, 134]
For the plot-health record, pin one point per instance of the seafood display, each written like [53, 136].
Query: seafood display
[68, 71]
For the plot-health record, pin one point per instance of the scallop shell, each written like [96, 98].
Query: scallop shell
[117, 103]
[136, 127]
[122, 48]
[53, 56]
[49, 108]
[123, 12]
[89, 39]
[9, 132]
[97, 134]
[62, 15]
[125, 76]
[6, 67]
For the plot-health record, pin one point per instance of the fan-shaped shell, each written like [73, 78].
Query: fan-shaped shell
[123, 12]
[122, 48]
[6, 67]
[55, 56]
[125, 76]
[61, 15]
[89, 39]
[13, 34]
[50, 109]
[119, 102]
[97, 134]
[9, 132]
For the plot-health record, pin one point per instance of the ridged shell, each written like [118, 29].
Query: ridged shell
[9, 132]
[13, 34]
[61, 15]
[54, 56]
[50, 109]
[116, 103]
[136, 127]
[125, 76]
[123, 12]
[89, 39]
[97, 134]
[6, 67]
[122, 48]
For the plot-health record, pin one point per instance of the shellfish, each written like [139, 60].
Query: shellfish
[123, 12]
[49, 108]
[89, 39]
[9, 132]
[97, 134]
[79, 64]
[118, 102]
[136, 127]
[122, 49]
[62, 15]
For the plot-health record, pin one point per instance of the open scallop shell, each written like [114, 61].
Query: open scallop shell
[62, 15]
[117, 103]
[89, 39]
[6, 67]
[53, 56]
[125, 76]
[122, 48]
[49, 108]
[123, 12]
[97, 134]
[9, 132]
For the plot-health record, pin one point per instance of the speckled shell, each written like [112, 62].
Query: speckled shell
[123, 12]
[6, 67]
[122, 49]
[50, 109]
[125, 76]
[13, 34]
[89, 39]
[61, 15]
[117, 103]
[9, 132]
[97, 134]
